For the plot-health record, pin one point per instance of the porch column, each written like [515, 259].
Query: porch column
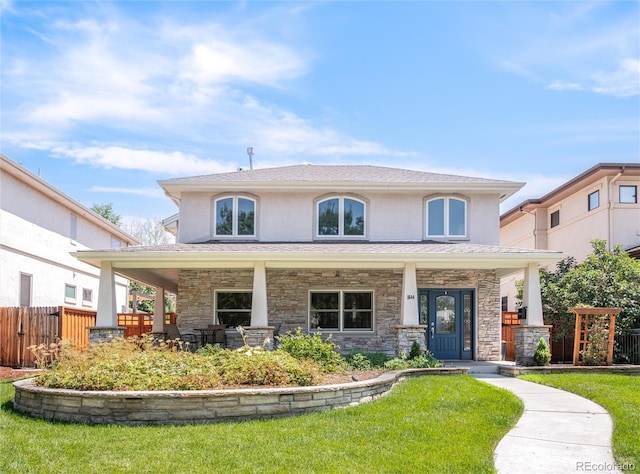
[409, 304]
[106, 327]
[531, 296]
[409, 330]
[107, 315]
[259, 312]
[528, 335]
[158, 311]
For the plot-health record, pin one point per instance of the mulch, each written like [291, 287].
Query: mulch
[7, 373]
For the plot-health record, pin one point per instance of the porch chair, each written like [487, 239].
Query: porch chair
[173, 333]
[219, 334]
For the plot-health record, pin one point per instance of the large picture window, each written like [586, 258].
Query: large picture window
[341, 216]
[235, 217]
[233, 308]
[341, 310]
[446, 217]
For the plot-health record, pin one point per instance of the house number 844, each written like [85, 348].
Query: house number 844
[411, 297]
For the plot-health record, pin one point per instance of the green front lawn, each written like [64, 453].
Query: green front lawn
[428, 424]
[618, 394]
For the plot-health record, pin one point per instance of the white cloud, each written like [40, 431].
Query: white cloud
[623, 82]
[160, 162]
[109, 73]
[218, 61]
[148, 192]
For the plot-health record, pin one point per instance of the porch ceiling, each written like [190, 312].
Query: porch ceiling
[159, 265]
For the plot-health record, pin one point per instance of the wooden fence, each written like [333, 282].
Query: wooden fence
[31, 326]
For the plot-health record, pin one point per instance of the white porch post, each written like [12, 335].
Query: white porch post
[106, 316]
[532, 298]
[409, 304]
[259, 311]
[158, 311]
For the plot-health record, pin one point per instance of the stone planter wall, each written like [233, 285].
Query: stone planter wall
[201, 406]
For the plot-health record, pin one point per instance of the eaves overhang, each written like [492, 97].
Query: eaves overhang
[175, 190]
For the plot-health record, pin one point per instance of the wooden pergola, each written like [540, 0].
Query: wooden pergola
[590, 320]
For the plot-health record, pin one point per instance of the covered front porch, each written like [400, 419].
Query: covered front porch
[366, 295]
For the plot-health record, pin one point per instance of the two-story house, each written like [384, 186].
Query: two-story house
[601, 203]
[377, 257]
[39, 227]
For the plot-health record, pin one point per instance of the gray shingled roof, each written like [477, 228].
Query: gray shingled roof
[334, 173]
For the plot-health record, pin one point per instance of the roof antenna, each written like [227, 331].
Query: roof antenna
[250, 153]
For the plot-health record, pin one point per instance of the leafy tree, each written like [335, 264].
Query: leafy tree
[106, 211]
[604, 279]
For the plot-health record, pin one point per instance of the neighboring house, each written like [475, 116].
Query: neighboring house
[39, 227]
[601, 203]
[377, 257]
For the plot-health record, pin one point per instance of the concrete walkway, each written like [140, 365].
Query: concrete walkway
[559, 432]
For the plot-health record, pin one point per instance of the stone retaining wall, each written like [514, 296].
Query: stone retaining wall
[514, 371]
[201, 406]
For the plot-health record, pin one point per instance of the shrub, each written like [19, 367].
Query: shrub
[416, 350]
[374, 360]
[542, 354]
[423, 361]
[147, 364]
[311, 346]
[359, 361]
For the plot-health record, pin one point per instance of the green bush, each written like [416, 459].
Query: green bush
[373, 360]
[423, 361]
[416, 350]
[311, 346]
[542, 354]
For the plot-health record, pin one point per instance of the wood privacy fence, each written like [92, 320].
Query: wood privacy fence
[31, 326]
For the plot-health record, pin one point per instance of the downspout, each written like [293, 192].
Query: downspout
[535, 226]
[610, 210]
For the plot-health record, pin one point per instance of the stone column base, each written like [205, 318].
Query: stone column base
[405, 335]
[104, 334]
[256, 335]
[526, 341]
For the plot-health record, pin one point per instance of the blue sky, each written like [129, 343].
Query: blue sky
[102, 99]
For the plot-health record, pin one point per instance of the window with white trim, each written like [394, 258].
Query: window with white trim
[73, 227]
[25, 289]
[234, 216]
[446, 217]
[341, 310]
[87, 296]
[233, 307]
[341, 216]
[69, 293]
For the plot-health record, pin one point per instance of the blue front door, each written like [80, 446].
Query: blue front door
[449, 318]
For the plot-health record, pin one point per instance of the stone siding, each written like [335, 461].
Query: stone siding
[526, 341]
[288, 300]
[488, 322]
[201, 406]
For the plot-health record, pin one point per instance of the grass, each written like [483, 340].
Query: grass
[428, 424]
[618, 394]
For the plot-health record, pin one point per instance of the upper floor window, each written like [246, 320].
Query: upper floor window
[555, 219]
[628, 194]
[235, 216]
[594, 200]
[341, 216]
[446, 217]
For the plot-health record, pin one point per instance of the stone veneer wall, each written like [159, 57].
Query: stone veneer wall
[288, 295]
[488, 324]
[201, 406]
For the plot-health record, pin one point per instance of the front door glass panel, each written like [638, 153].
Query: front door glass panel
[445, 314]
